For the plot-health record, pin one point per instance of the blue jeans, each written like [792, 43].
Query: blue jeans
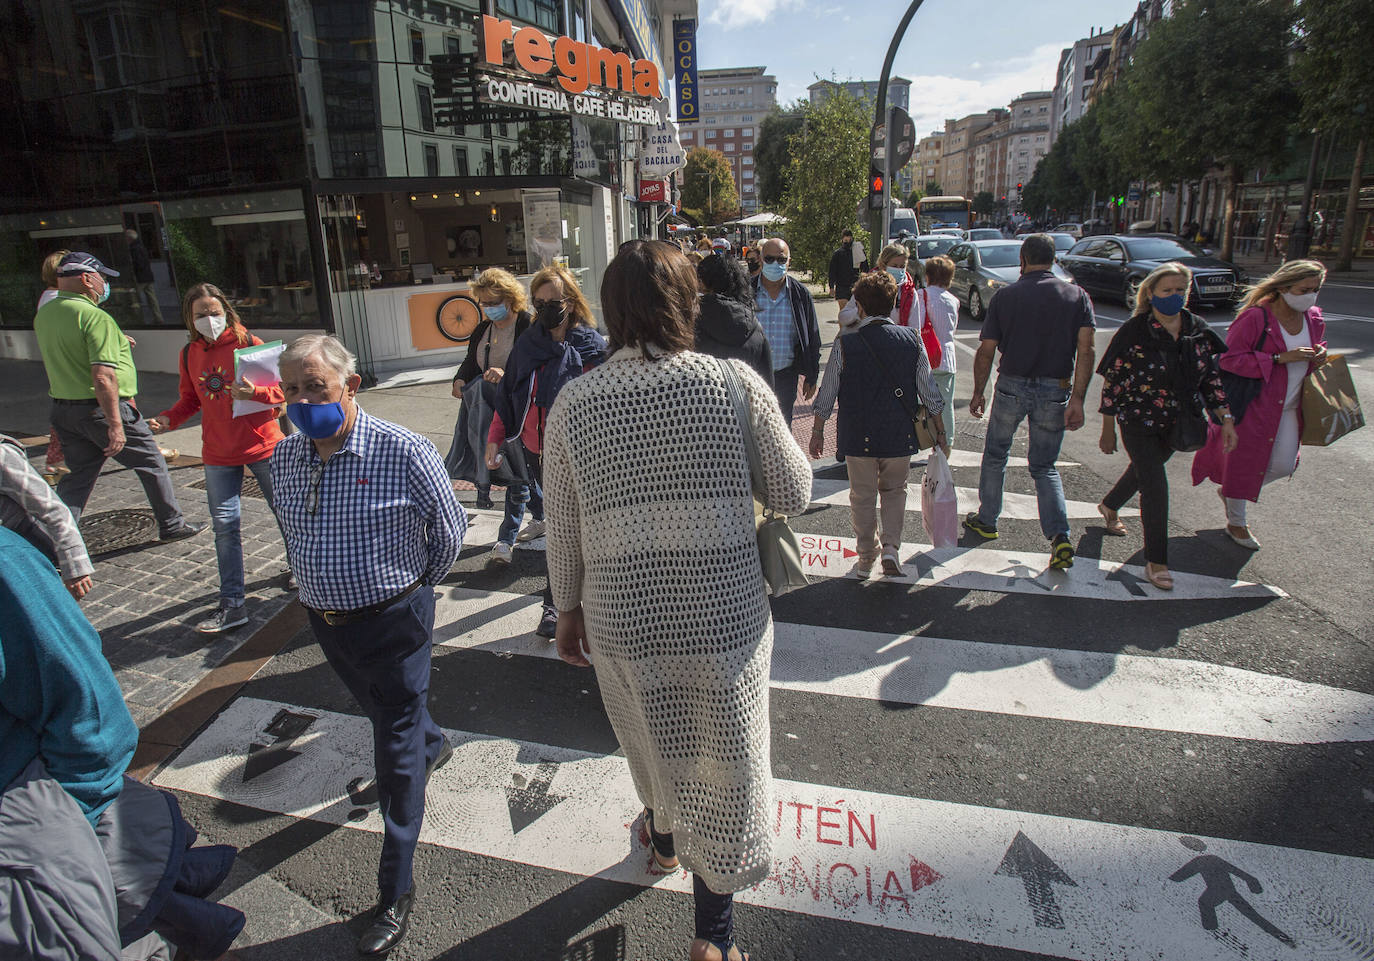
[1042, 402]
[223, 485]
[522, 496]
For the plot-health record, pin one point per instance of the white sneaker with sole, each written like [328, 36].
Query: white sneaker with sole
[892, 566]
[500, 553]
[531, 531]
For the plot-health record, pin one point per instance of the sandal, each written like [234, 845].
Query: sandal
[1159, 577]
[725, 947]
[665, 863]
[1114, 527]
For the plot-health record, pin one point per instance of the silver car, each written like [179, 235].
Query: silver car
[982, 267]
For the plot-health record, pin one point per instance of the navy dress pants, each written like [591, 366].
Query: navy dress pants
[384, 663]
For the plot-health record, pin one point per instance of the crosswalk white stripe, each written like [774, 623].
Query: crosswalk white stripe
[1163, 694]
[976, 569]
[1065, 887]
[958, 457]
[1022, 507]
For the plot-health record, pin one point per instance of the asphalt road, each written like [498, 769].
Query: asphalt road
[983, 760]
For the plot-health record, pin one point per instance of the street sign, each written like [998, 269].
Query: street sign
[903, 137]
[877, 145]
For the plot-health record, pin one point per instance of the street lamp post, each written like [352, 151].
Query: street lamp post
[1300, 240]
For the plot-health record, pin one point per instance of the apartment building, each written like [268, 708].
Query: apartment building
[734, 101]
[1074, 79]
[959, 153]
[928, 162]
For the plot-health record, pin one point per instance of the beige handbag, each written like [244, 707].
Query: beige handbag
[779, 553]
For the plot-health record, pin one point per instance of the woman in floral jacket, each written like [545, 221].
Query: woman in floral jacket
[1158, 362]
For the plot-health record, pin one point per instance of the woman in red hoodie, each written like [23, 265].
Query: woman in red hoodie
[229, 443]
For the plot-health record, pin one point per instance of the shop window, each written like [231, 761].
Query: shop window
[460, 161]
[452, 45]
[417, 46]
[431, 160]
[426, 97]
[541, 13]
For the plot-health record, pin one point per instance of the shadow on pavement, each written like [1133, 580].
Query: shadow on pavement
[543, 932]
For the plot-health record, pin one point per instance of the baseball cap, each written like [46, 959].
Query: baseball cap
[81, 263]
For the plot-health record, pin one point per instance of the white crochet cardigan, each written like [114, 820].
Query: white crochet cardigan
[651, 529]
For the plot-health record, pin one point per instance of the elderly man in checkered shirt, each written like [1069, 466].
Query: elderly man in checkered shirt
[371, 526]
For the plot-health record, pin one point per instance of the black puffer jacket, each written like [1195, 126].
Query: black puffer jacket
[730, 329]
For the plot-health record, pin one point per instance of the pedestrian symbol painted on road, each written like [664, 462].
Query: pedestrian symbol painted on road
[1216, 874]
[1035, 869]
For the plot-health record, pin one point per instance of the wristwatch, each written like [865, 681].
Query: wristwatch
[1274, 358]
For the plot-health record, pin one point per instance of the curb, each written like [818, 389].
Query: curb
[170, 730]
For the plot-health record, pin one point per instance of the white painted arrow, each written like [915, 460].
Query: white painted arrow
[928, 867]
[1157, 693]
[1021, 507]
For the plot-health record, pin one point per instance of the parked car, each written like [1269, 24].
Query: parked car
[1073, 230]
[1096, 228]
[982, 267]
[1063, 243]
[1114, 266]
[903, 218]
[985, 233]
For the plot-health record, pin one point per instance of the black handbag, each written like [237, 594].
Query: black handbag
[1241, 390]
[1189, 432]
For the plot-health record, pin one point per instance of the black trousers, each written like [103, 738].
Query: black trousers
[715, 913]
[1148, 453]
[785, 388]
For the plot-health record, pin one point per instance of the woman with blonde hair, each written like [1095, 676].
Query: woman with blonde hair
[560, 344]
[1277, 339]
[505, 316]
[891, 260]
[229, 443]
[1157, 364]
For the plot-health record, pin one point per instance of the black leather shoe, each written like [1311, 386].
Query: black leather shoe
[440, 759]
[388, 927]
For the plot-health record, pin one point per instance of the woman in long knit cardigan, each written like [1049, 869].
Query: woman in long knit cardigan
[655, 572]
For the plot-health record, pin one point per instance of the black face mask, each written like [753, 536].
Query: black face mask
[847, 244]
[551, 315]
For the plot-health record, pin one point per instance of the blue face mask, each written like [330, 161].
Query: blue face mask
[106, 295]
[774, 272]
[317, 421]
[496, 313]
[1168, 306]
[898, 274]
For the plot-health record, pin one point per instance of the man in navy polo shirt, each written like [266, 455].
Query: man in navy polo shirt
[1043, 327]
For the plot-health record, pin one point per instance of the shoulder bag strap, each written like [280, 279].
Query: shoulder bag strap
[736, 391]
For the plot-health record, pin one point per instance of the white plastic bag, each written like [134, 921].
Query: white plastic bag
[939, 502]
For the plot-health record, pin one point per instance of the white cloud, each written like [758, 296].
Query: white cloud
[935, 98]
[733, 14]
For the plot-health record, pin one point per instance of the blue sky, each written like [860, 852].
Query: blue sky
[962, 56]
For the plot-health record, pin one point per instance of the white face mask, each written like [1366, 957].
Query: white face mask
[211, 326]
[1302, 303]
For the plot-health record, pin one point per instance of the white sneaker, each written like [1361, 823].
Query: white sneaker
[531, 530]
[892, 566]
[500, 554]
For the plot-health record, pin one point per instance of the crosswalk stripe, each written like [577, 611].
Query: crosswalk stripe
[958, 457]
[976, 569]
[1020, 507]
[1162, 694]
[1070, 888]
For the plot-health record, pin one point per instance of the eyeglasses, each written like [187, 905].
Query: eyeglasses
[778, 259]
[539, 305]
[312, 495]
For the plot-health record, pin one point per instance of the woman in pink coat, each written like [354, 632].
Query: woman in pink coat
[1279, 338]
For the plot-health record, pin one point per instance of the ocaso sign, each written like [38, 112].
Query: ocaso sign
[576, 65]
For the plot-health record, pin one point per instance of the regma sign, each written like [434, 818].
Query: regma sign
[577, 65]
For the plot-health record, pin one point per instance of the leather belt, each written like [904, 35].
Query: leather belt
[340, 618]
[89, 402]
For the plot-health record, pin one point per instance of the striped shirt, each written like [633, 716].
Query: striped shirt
[775, 317]
[365, 525]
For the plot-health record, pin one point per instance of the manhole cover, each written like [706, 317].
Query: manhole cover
[250, 487]
[115, 530]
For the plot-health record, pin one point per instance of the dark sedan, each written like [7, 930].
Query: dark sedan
[1114, 266]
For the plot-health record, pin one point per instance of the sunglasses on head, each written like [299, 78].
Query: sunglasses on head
[772, 259]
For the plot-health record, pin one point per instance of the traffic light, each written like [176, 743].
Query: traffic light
[876, 195]
[1018, 188]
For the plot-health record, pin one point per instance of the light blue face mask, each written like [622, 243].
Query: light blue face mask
[495, 313]
[898, 274]
[106, 295]
[774, 272]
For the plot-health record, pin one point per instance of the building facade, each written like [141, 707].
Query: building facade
[1074, 79]
[344, 165]
[927, 165]
[959, 153]
[733, 102]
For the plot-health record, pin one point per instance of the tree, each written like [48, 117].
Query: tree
[771, 152]
[913, 198]
[984, 202]
[1337, 88]
[933, 188]
[827, 179]
[708, 186]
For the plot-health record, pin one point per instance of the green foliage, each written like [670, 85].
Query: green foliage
[984, 202]
[827, 179]
[1333, 74]
[933, 188]
[771, 151]
[195, 252]
[913, 198]
[708, 186]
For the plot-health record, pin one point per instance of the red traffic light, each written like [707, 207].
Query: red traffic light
[877, 183]
[1018, 186]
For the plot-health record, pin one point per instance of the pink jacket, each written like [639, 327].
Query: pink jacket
[1241, 473]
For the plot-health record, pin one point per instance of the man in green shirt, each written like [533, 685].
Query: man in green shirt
[92, 382]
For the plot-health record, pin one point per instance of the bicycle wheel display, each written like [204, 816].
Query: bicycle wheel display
[457, 317]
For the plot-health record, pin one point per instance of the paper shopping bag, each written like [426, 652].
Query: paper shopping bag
[1330, 406]
[939, 502]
